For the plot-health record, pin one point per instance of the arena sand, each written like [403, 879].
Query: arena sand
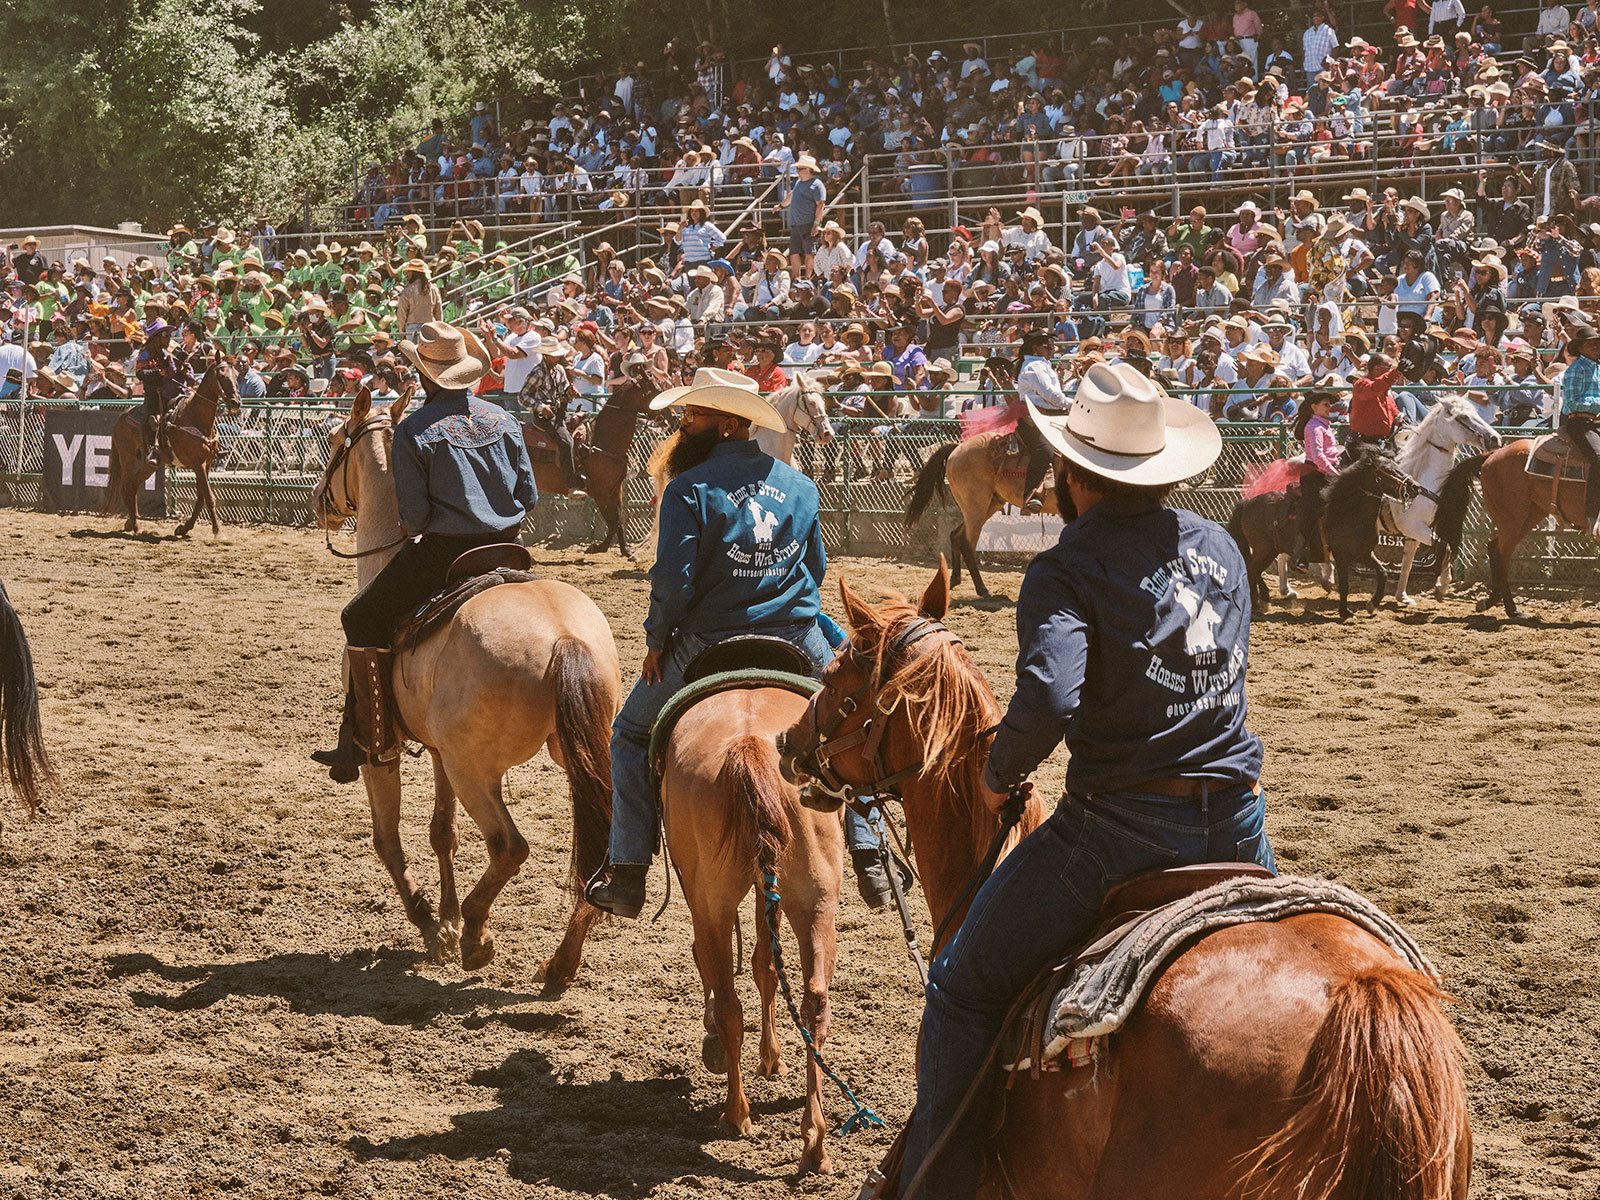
[207, 984]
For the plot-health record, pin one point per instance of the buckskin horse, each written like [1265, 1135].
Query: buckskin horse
[1298, 1059]
[191, 443]
[518, 667]
[728, 816]
[602, 459]
[983, 475]
[27, 765]
[1517, 501]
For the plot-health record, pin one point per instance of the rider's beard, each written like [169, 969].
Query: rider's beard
[686, 450]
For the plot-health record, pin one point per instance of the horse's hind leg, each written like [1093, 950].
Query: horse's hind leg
[713, 955]
[765, 973]
[508, 850]
[811, 902]
[187, 527]
[956, 555]
[211, 499]
[445, 836]
[1284, 590]
[1400, 595]
[1342, 569]
[383, 795]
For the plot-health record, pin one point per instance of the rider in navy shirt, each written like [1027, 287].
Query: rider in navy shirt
[1134, 638]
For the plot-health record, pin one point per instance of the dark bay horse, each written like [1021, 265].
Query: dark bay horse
[1297, 1058]
[191, 442]
[1350, 518]
[1264, 529]
[1516, 500]
[27, 765]
[602, 459]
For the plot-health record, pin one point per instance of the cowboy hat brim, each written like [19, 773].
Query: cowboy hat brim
[736, 402]
[1193, 443]
[463, 372]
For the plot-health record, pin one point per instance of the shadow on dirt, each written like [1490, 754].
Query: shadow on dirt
[583, 1137]
[376, 984]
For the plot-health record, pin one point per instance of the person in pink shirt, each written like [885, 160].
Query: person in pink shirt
[1247, 28]
[1321, 458]
[1247, 235]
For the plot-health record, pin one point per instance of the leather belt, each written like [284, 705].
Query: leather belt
[1182, 788]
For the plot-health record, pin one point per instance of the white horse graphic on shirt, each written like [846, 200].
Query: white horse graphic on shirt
[1201, 634]
[765, 521]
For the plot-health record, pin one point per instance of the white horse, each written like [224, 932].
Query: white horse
[803, 411]
[1427, 456]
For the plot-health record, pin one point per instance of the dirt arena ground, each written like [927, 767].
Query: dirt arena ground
[207, 985]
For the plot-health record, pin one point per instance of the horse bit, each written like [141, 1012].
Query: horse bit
[341, 462]
[813, 759]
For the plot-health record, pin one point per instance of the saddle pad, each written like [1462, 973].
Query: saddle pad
[432, 616]
[686, 698]
[1007, 456]
[1109, 979]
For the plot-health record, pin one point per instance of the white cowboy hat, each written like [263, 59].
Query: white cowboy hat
[805, 163]
[550, 347]
[1033, 213]
[1416, 203]
[724, 391]
[449, 355]
[1125, 427]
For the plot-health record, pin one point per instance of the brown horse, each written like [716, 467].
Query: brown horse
[519, 667]
[191, 442]
[729, 815]
[1516, 500]
[27, 765]
[602, 459]
[1339, 1077]
[983, 480]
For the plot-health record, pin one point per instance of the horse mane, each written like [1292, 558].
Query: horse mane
[1410, 456]
[1341, 491]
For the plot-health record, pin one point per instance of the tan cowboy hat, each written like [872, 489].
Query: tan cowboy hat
[1125, 427]
[550, 347]
[1490, 262]
[449, 355]
[942, 366]
[726, 392]
[703, 272]
[879, 370]
[1033, 213]
[805, 163]
[1416, 204]
[417, 267]
[1337, 226]
[223, 237]
[1305, 196]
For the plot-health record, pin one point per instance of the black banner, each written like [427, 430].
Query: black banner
[77, 463]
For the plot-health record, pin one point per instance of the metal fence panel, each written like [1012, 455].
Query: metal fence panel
[271, 458]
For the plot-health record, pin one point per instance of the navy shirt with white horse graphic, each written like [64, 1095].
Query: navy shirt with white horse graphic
[1134, 637]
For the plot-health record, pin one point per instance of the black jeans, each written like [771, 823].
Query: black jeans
[1038, 456]
[414, 576]
[1584, 433]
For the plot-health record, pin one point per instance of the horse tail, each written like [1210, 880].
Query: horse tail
[583, 731]
[750, 772]
[930, 479]
[1453, 500]
[1383, 1110]
[27, 763]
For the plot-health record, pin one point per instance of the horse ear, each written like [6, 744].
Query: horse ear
[398, 409]
[856, 610]
[936, 600]
[361, 407]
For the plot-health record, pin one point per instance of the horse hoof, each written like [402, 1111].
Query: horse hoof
[773, 1069]
[712, 1056]
[476, 955]
[596, 548]
[739, 1129]
[630, 556]
[444, 943]
[1483, 605]
[1405, 601]
[553, 980]
[816, 1162]
[1288, 594]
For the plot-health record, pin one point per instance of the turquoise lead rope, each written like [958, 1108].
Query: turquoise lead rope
[862, 1114]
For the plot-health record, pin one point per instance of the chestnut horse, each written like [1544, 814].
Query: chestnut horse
[980, 488]
[519, 667]
[602, 459]
[191, 442]
[729, 815]
[27, 765]
[1297, 1059]
[1516, 502]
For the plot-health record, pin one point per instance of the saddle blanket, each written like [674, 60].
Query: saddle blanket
[1108, 979]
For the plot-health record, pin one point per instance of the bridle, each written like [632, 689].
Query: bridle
[824, 742]
[340, 462]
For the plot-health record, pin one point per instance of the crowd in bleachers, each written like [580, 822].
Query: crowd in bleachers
[1244, 308]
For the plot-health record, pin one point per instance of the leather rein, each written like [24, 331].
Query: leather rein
[341, 462]
[824, 742]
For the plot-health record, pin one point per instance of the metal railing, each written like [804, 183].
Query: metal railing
[271, 457]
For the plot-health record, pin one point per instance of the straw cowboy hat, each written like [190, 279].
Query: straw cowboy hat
[1417, 204]
[1490, 262]
[1125, 427]
[805, 163]
[550, 347]
[724, 392]
[1033, 214]
[447, 354]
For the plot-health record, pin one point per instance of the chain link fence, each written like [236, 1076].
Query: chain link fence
[271, 457]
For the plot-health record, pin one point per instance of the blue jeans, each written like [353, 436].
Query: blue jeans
[1042, 901]
[633, 801]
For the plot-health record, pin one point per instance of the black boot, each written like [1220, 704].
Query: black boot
[873, 882]
[344, 761]
[618, 889]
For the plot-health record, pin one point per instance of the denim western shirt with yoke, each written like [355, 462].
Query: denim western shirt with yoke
[461, 468]
[1134, 635]
[740, 547]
